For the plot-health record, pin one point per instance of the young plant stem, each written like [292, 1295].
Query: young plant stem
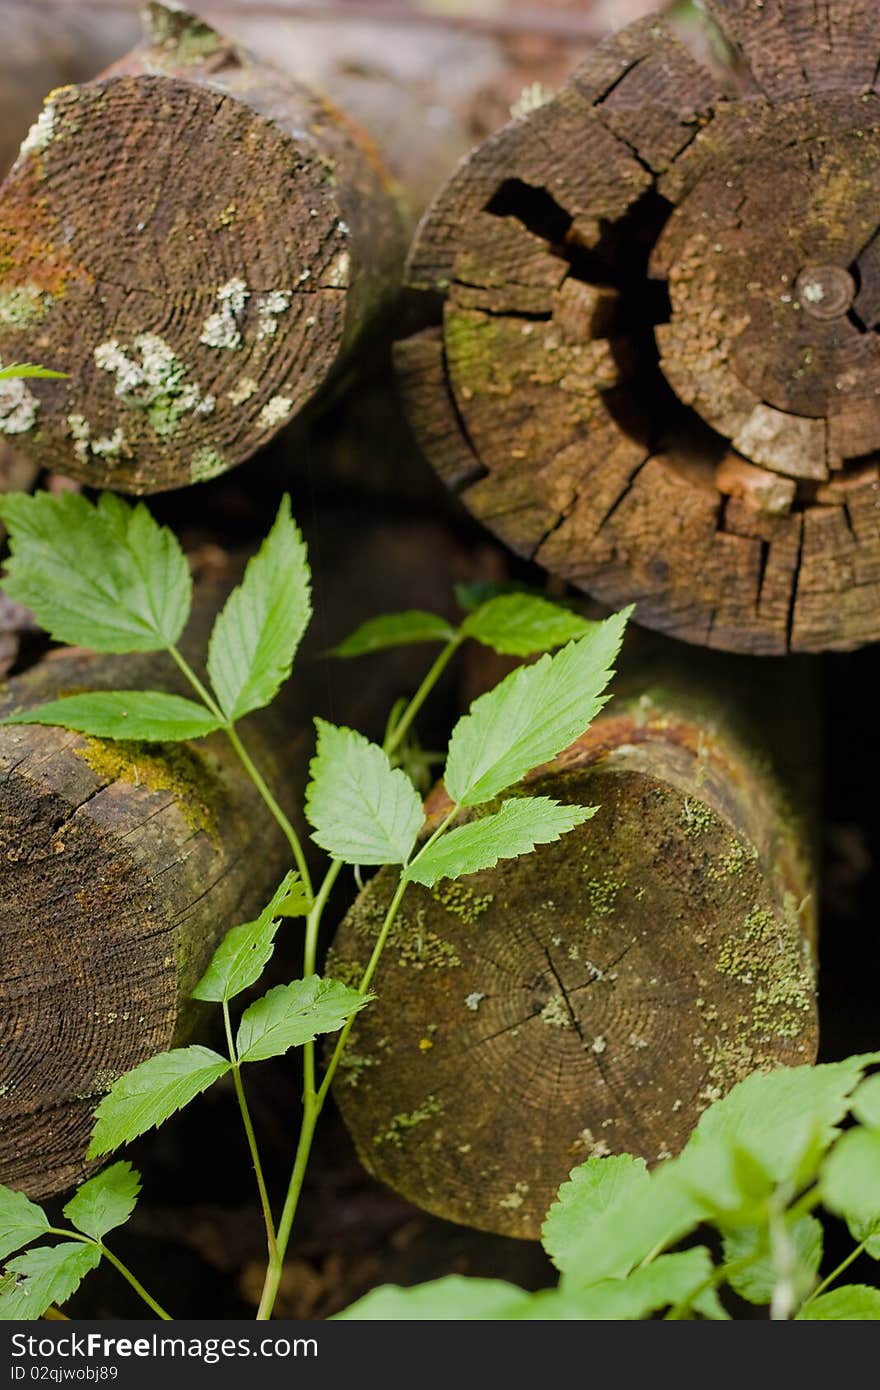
[836, 1273]
[248, 764]
[249, 1131]
[400, 729]
[118, 1265]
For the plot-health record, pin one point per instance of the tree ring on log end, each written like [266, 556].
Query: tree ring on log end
[564, 1005]
[185, 259]
[657, 368]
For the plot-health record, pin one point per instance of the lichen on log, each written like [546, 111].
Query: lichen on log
[597, 995]
[657, 362]
[199, 241]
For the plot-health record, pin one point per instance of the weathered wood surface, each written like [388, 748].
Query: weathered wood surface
[199, 241]
[657, 369]
[595, 996]
[122, 865]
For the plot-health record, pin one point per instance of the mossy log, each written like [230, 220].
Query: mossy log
[199, 241]
[595, 996]
[657, 365]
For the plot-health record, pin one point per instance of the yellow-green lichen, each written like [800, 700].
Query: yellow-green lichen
[400, 1125]
[22, 306]
[166, 767]
[206, 463]
[462, 901]
[602, 894]
[772, 957]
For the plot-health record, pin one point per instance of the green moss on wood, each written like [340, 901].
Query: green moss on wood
[165, 767]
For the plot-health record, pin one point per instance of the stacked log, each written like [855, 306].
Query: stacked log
[654, 368]
[595, 996]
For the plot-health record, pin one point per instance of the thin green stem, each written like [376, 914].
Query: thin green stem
[249, 1131]
[400, 729]
[117, 1264]
[836, 1273]
[310, 959]
[248, 764]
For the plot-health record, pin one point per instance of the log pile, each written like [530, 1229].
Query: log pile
[655, 368]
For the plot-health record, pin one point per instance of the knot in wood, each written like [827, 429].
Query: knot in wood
[826, 291]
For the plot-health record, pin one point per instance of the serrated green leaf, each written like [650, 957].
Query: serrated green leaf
[664, 1283]
[148, 1095]
[851, 1303]
[257, 633]
[104, 576]
[245, 951]
[29, 369]
[296, 901]
[521, 824]
[523, 624]
[479, 591]
[395, 630]
[21, 1221]
[47, 1274]
[866, 1102]
[105, 1201]
[453, 1298]
[850, 1181]
[595, 1187]
[148, 716]
[531, 716]
[291, 1015]
[756, 1283]
[362, 810]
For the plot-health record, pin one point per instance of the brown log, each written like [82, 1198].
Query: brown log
[199, 241]
[595, 996]
[656, 369]
[121, 865]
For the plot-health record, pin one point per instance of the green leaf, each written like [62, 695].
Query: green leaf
[150, 716]
[521, 624]
[850, 1181]
[21, 1221]
[291, 1015]
[533, 714]
[255, 637]
[47, 1274]
[595, 1187]
[758, 1280]
[665, 1282]
[104, 576]
[28, 369]
[363, 811]
[244, 952]
[866, 1102]
[453, 1298]
[851, 1303]
[517, 828]
[296, 901]
[395, 630]
[479, 591]
[148, 1095]
[105, 1201]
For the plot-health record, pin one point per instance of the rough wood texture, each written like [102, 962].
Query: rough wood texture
[658, 364]
[595, 996]
[199, 241]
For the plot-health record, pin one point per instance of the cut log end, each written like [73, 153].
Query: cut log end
[646, 277]
[197, 242]
[591, 998]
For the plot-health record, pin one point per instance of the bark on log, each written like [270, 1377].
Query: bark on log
[657, 367]
[120, 865]
[595, 996]
[199, 241]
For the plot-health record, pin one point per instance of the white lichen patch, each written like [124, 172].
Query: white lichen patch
[473, 1001]
[243, 391]
[40, 134]
[222, 329]
[22, 306]
[587, 1142]
[337, 275]
[555, 1013]
[206, 463]
[107, 446]
[514, 1200]
[529, 99]
[18, 407]
[274, 412]
[151, 377]
[599, 1046]
[269, 307]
